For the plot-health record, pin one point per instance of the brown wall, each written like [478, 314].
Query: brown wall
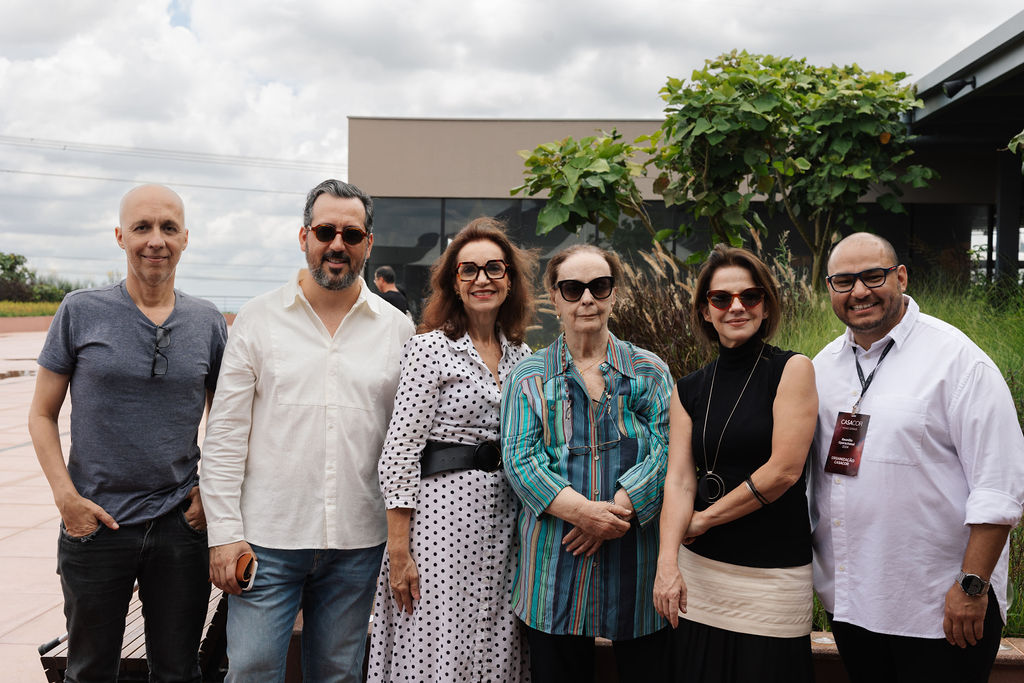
[473, 158]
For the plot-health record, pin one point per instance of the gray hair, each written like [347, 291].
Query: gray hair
[342, 190]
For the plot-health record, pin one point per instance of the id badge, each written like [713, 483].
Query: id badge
[847, 444]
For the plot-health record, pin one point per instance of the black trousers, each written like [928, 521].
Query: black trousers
[570, 659]
[870, 657]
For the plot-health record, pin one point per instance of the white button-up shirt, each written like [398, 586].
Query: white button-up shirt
[298, 423]
[943, 450]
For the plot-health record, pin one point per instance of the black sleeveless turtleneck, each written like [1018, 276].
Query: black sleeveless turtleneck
[777, 535]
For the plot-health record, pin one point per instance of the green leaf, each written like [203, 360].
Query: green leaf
[664, 234]
[550, 217]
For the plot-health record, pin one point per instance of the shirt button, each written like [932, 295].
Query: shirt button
[597, 457]
[842, 567]
[838, 480]
[596, 493]
[330, 427]
[837, 523]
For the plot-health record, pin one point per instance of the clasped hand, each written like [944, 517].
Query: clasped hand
[596, 522]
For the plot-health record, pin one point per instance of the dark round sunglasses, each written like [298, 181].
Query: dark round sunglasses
[350, 234]
[722, 300]
[494, 269]
[600, 288]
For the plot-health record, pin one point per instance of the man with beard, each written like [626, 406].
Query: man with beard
[290, 460]
[918, 477]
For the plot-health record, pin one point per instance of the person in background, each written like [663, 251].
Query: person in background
[918, 477]
[584, 427]
[734, 569]
[384, 281]
[141, 360]
[290, 469]
[443, 610]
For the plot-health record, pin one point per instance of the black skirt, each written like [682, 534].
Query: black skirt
[706, 654]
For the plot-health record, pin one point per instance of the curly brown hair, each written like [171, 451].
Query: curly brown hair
[443, 310]
[721, 256]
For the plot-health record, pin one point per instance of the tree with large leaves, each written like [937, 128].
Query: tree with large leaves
[810, 141]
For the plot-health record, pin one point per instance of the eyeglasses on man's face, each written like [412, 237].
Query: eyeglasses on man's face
[350, 234]
[722, 300]
[163, 340]
[600, 288]
[872, 277]
[467, 271]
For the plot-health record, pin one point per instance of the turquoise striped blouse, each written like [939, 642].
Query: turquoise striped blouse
[552, 436]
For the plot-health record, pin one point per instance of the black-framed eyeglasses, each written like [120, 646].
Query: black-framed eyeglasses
[350, 234]
[163, 340]
[722, 300]
[600, 288]
[872, 277]
[495, 269]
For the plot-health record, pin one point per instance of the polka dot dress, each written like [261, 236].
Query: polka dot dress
[462, 532]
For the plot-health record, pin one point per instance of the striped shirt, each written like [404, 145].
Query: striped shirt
[553, 436]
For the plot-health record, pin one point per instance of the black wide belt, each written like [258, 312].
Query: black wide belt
[444, 457]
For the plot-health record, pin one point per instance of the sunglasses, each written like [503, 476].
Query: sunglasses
[722, 300]
[494, 269]
[872, 277]
[163, 340]
[350, 234]
[600, 288]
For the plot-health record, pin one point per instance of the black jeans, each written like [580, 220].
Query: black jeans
[870, 657]
[170, 560]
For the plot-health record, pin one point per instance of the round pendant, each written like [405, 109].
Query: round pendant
[710, 487]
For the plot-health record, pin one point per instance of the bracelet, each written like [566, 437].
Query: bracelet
[757, 494]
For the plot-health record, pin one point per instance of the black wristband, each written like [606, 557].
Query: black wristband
[757, 494]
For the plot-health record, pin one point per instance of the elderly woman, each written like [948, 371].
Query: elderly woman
[442, 610]
[734, 572]
[583, 426]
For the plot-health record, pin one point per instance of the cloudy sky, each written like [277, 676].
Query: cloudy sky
[242, 106]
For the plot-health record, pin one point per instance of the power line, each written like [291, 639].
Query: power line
[137, 181]
[177, 155]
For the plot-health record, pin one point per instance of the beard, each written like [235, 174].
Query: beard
[323, 277]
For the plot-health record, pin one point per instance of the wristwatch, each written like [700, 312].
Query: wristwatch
[971, 584]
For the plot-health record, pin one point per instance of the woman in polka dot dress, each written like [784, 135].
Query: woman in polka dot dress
[442, 610]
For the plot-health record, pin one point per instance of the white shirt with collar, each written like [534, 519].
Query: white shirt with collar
[943, 450]
[298, 424]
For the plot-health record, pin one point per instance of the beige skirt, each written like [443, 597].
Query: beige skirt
[760, 601]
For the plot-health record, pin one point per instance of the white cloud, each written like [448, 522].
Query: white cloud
[277, 79]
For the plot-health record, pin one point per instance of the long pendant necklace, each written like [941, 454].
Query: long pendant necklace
[710, 485]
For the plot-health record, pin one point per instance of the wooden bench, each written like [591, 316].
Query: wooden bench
[54, 655]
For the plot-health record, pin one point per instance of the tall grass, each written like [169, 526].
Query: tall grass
[18, 309]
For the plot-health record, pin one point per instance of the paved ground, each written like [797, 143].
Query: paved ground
[31, 604]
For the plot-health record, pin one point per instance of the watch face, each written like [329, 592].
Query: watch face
[972, 584]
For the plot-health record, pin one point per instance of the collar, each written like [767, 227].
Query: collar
[899, 333]
[620, 356]
[292, 295]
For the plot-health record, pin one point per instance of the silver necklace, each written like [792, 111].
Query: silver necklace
[710, 485]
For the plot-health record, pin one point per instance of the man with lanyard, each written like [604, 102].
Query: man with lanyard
[290, 460]
[141, 360]
[917, 478]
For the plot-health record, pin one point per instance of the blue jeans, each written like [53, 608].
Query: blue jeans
[335, 590]
[171, 563]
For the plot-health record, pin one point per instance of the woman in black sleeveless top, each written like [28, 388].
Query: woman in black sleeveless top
[734, 572]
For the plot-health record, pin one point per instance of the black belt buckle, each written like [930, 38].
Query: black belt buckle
[487, 456]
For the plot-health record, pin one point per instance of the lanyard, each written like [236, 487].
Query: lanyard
[865, 383]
